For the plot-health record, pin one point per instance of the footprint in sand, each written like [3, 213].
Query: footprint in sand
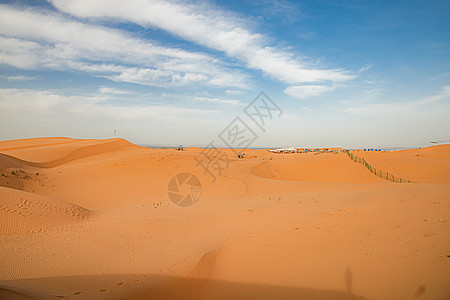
[61, 297]
[147, 276]
[104, 291]
[122, 283]
[420, 291]
[137, 281]
[77, 293]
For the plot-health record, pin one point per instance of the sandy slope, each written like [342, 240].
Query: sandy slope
[315, 167]
[426, 165]
[24, 212]
[90, 219]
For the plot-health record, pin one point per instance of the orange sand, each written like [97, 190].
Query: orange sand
[91, 219]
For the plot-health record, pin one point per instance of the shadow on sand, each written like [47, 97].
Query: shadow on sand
[141, 286]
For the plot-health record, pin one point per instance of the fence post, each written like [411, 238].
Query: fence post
[378, 173]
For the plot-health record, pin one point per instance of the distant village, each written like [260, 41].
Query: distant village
[305, 150]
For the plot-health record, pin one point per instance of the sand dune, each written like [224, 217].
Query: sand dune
[55, 154]
[35, 142]
[91, 219]
[427, 165]
[315, 167]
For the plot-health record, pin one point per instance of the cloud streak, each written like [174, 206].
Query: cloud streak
[36, 39]
[307, 91]
[444, 94]
[20, 78]
[218, 100]
[211, 27]
[411, 109]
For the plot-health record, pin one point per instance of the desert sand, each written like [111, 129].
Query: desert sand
[91, 219]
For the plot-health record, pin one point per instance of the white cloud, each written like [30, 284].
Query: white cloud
[113, 91]
[208, 26]
[158, 77]
[233, 92]
[19, 53]
[19, 78]
[33, 39]
[306, 91]
[365, 68]
[444, 94]
[219, 100]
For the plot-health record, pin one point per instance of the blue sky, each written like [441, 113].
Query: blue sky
[345, 73]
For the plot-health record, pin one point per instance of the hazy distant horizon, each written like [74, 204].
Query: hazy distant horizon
[205, 145]
[391, 148]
